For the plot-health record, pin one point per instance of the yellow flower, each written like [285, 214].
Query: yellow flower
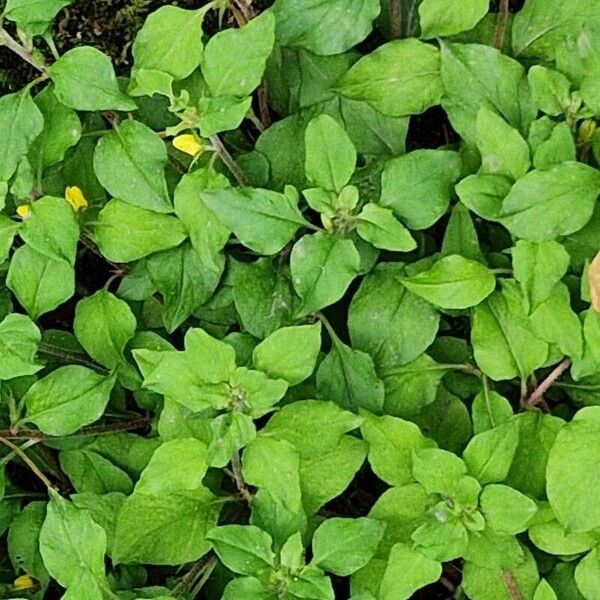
[24, 582]
[74, 196]
[189, 144]
[24, 211]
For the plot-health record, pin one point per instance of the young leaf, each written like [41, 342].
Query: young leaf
[130, 162]
[439, 18]
[489, 410]
[453, 282]
[330, 155]
[506, 510]
[483, 194]
[418, 185]
[378, 226]
[19, 340]
[84, 79]
[437, 471]
[398, 79]
[460, 236]
[67, 399]
[551, 90]
[289, 353]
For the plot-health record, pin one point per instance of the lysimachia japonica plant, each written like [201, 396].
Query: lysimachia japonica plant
[259, 342]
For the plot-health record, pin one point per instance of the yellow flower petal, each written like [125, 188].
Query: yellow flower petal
[24, 211]
[74, 196]
[189, 144]
[24, 582]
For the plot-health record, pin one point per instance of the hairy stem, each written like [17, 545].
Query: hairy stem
[7, 40]
[245, 7]
[236, 468]
[224, 155]
[501, 25]
[196, 570]
[537, 395]
[395, 18]
[34, 468]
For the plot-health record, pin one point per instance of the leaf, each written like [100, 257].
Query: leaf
[378, 226]
[343, 546]
[39, 282]
[103, 325]
[20, 123]
[125, 233]
[438, 471]
[330, 155]
[503, 342]
[398, 79]
[390, 323]
[170, 41]
[324, 28]
[62, 130]
[483, 194]
[589, 363]
[263, 220]
[418, 185]
[544, 591]
[33, 12]
[538, 267]
[460, 236]
[503, 149]
[587, 574]
[570, 493]
[67, 399]
[407, 571]
[348, 377]
[72, 545]
[490, 409]
[322, 266]
[130, 162]
[243, 549]
[84, 79]
[438, 17]
[289, 353]
[558, 148]
[391, 444]
[19, 340]
[470, 75]
[551, 90]
[544, 205]
[224, 72]
[506, 510]
[453, 282]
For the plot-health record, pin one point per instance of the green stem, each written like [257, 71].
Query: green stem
[7, 40]
[228, 160]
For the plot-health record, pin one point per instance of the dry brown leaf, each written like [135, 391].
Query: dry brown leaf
[594, 278]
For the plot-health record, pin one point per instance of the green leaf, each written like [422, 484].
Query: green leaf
[544, 592]
[439, 18]
[390, 323]
[470, 75]
[103, 325]
[84, 79]
[407, 571]
[538, 267]
[506, 510]
[550, 89]
[40, 283]
[544, 205]
[125, 233]
[170, 41]
[20, 123]
[489, 454]
[460, 236]
[130, 162]
[223, 113]
[378, 226]
[67, 399]
[322, 266]
[587, 575]
[348, 377]
[589, 362]
[398, 79]
[263, 220]
[33, 12]
[483, 194]
[391, 444]
[243, 549]
[234, 59]
[289, 353]
[490, 409]
[453, 282]
[503, 149]
[418, 185]
[572, 484]
[324, 28]
[19, 340]
[503, 341]
[437, 471]
[62, 130]
[559, 147]
[343, 546]
[330, 155]
[72, 545]
[246, 588]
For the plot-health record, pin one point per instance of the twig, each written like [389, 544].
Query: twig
[395, 18]
[34, 468]
[245, 7]
[69, 356]
[501, 25]
[511, 586]
[7, 40]
[210, 567]
[537, 395]
[199, 567]
[263, 105]
[224, 155]
[236, 469]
